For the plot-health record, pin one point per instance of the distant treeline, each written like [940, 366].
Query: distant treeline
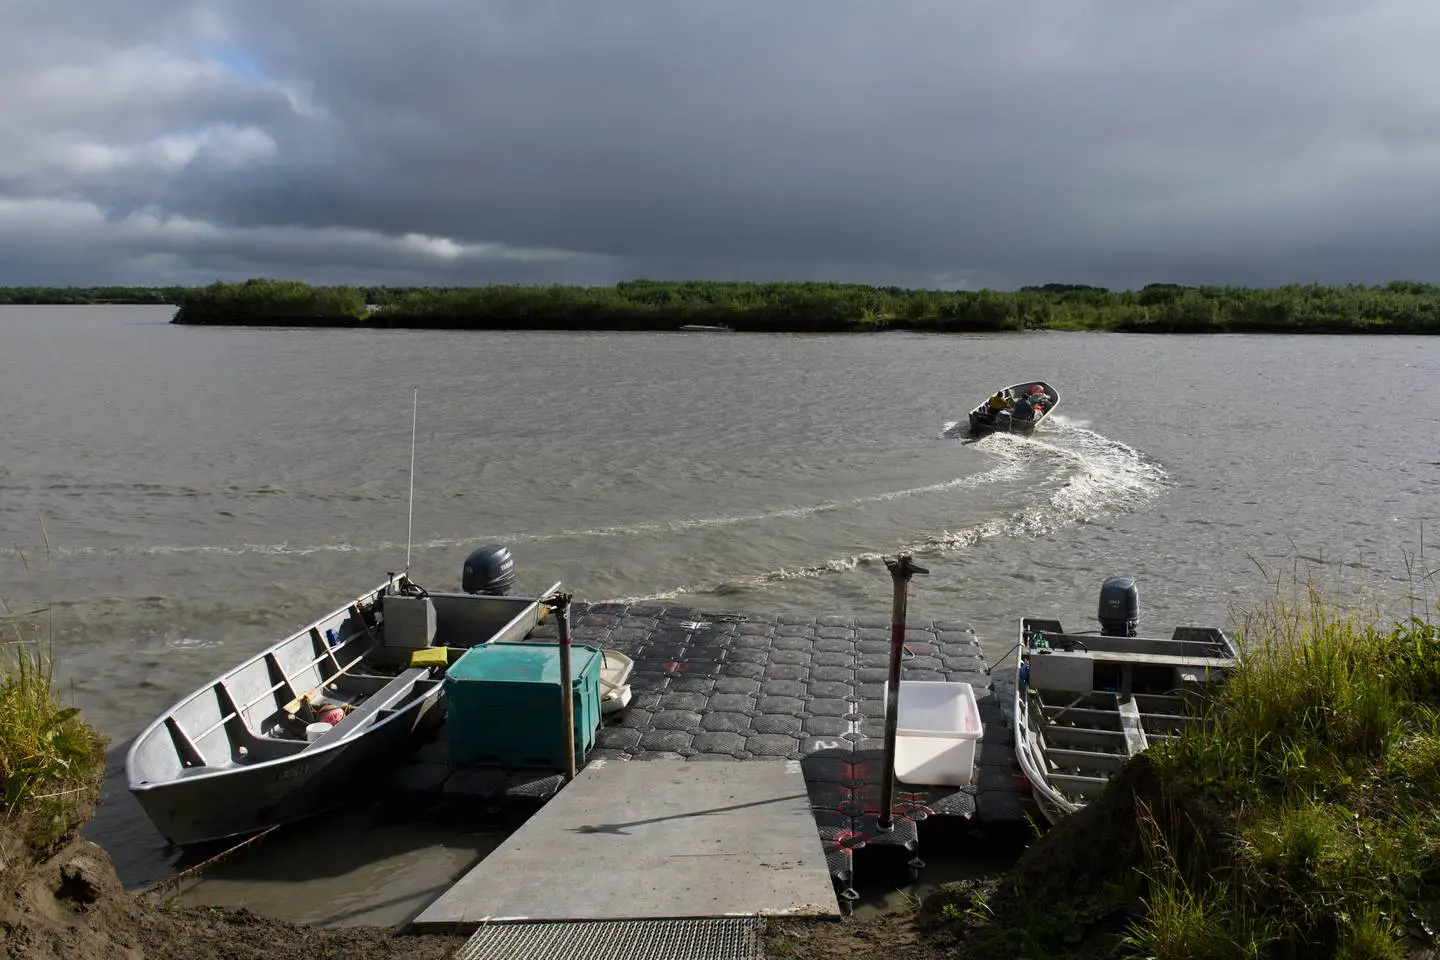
[174, 295]
[88, 295]
[1399, 307]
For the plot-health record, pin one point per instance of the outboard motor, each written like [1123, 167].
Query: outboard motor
[1119, 607]
[489, 570]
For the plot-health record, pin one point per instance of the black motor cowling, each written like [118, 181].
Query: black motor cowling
[489, 570]
[1119, 607]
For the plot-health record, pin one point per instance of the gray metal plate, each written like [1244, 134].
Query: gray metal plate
[650, 841]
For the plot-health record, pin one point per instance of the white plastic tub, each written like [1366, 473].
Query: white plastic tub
[937, 730]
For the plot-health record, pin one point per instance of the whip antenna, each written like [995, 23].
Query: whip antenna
[410, 527]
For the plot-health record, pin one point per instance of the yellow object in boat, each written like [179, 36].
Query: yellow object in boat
[430, 657]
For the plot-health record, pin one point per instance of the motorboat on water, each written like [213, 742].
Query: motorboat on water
[1019, 408]
[304, 725]
[1087, 702]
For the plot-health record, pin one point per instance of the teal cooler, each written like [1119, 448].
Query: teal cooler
[505, 707]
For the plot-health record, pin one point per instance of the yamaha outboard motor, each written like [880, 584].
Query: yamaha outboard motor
[1119, 607]
[489, 570]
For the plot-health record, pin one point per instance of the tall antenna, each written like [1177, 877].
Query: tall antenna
[410, 528]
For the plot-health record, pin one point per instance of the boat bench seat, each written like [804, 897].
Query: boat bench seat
[345, 684]
[1084, 759]
[1134, 727]
[260, 747]
[380, 700]
[1085, 786]
[1159, 659]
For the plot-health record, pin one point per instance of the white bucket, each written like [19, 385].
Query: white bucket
[936, 733]
[314, 731]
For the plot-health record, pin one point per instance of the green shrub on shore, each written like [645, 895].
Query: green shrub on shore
[1299, 819]
[272, 299]
[51, 761]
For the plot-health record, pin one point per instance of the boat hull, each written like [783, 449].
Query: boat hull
[980, 425]
[237, 801]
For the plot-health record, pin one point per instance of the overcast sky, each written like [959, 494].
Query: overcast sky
[958, 144]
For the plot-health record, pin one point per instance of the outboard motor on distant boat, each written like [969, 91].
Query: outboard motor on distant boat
[1119, 607]
[489, 570]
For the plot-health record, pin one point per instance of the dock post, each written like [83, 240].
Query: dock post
[901, 568]
[560, 603]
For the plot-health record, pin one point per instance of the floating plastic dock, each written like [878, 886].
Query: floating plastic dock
[731, 691]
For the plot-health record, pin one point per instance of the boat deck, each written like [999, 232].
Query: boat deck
[723, 688]
[1091, 736]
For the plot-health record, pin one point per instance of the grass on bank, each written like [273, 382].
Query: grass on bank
[51, 761]
[1300, 818]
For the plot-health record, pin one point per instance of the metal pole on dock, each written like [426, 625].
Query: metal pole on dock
[560, 603]
[901, 568]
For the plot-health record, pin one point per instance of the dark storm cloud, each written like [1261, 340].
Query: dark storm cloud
[919, 143]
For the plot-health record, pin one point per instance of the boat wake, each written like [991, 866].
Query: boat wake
[1092, 476]
[1011, 467]
[1097, 477]
[1082, 475]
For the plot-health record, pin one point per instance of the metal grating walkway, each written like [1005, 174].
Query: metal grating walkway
[722, 938]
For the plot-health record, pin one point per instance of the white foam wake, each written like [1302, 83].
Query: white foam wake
[1094, 476]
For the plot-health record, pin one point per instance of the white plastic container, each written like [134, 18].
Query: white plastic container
[314, 731]
[935, 738]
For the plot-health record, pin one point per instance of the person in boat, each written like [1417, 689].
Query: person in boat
[991, 408]
[1023, 410]
[1037, 399]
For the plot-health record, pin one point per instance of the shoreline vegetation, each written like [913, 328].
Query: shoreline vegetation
[1400, 307]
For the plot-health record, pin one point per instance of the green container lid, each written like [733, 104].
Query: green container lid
[519, 663]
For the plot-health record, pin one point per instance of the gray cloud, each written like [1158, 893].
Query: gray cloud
[910, 142]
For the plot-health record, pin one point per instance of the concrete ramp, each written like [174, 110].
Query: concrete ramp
[654, 840]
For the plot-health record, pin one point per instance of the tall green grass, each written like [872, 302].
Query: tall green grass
[51, 761]
[1323, 755]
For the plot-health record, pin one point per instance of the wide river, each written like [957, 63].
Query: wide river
[206, 490]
